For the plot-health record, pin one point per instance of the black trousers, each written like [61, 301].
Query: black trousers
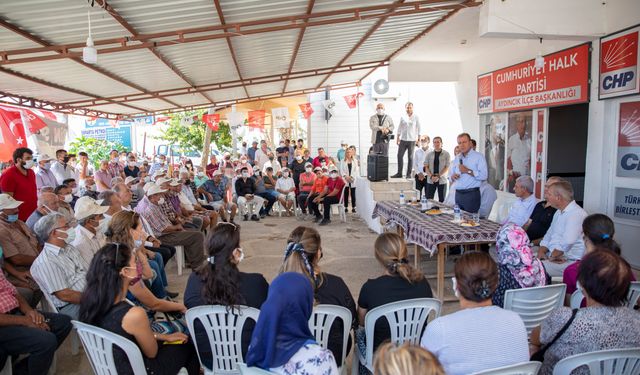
[350, 191]
[41, 345]
[468, 199]
[302, 200]
[327, 202]
[166, 251]
[421, 186]
[402, 148]
[431, 191]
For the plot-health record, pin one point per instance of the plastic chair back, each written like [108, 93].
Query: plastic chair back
[246, 370]
[634, 294]
[7, 369]
[406, 320]
[223, 326]
[320, 324]
[524, 368]
[603, 362]
[534, 304]
[98, 344]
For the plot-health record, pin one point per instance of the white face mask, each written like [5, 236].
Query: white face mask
[103, 225]
[309, 170]
[333, 175]
[200, 174]
[29, 164]
[68, 198]
[379, 111]
[424, 145]
[285, 174]
[161, 201]
[298, 157]
[132, 163]
[243, 161]
[90, 187]
[71, 235]
[45, 166]
[74, 191]
[245, 174]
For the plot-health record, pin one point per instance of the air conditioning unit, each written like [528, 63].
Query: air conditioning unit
[382, 89]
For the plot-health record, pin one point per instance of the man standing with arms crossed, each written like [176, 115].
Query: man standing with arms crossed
[468, 171]
[381, 126]
[408, 135]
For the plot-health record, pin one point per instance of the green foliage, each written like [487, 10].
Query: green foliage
[191, 137]
[96, 149]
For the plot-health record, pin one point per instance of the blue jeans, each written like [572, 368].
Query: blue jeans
[271, 196]
[159, 282]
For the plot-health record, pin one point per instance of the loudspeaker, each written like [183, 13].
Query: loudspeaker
[377, 167]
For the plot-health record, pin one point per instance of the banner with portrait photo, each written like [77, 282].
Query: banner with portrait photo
[518, 147]
[495, 130]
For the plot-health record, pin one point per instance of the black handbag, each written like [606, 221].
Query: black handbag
[539, 355]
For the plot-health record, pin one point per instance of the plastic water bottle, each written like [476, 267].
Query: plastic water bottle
[424, 203]
[402, 197]
[456, 213]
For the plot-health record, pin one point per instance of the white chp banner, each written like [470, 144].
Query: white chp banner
[330, 106]
[281, 117]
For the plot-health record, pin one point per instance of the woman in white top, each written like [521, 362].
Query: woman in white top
[350, 170]
[287, 189]
[480, 336]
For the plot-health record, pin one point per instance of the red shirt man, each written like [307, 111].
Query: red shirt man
[19, 181]
[212, 167]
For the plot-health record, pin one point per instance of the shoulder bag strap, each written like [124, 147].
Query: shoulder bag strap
[539, 355]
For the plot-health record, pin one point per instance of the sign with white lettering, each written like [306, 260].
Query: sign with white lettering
[619, 56]
[564, 79]
[627, 204]
[628, 160]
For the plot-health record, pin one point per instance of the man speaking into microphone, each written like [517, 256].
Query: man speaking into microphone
[468, 171]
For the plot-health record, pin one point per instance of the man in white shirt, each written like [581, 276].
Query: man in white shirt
[408, 135]
[519, 151]
[44, 176]
[89, 231]
[488, 197]
[418, 165]
[522, 208]
[262, 155]
[286, 187]
[84, 168]
[271, 162]
[563, 243]
[61, 169]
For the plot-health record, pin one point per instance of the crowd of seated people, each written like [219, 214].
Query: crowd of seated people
[95, 244]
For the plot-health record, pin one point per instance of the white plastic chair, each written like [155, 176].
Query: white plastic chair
[634, 294]
[603, 362]
[576, 299]
[98, 344]
[7, 369]
[48, 306]
[340, 205]
[224, 332]
[180, 258]
[246, 370]
[523, 368]
[534, 304]
[406, 322]
[320, 324]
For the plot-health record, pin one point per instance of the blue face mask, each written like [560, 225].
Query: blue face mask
[12, 218]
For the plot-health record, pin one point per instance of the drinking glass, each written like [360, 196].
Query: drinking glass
[476, 218]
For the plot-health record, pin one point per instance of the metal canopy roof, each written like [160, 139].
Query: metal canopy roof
[167, 56]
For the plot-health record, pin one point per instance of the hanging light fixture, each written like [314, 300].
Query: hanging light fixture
[90, 53]
[539, 61]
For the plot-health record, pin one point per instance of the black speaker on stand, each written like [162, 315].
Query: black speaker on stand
[377, 167]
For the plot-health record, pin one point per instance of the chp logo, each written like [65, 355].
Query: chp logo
[619, 64]
[485, 98]
[629, 140]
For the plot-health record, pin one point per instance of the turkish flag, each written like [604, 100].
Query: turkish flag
[352, 100]
[306, 109]
[34, 122]
[256, 119]
[12, 133]
[212, 120]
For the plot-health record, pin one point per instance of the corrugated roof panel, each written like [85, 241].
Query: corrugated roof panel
[202, 62]
[324, 47]
[61, 21]
[115, 108]
[162, 15]
[265, 89]
[152, 104]
[143, 68]
[264, 54]
[74, 75]
[329, 5]
[227, 94]
[392, 34]
[10, 40]
[188, 99]
[345, 77]
[24, 87]
[235, 11]
[304, 83]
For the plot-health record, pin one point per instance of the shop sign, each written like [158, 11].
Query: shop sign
[627, 204]
[564, 79]
[619, 56]
[628, 160]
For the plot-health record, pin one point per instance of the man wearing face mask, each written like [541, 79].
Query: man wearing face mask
[44, 176]
[19, 181]
[286, 189]
[115, 167]
[47, 203]
[418, 165]
[20, 249]
[59, 269]
[305, 186]
[64, 202]
[131, 170]
[330, 195]
[342, 151]
[282, 153]
[88, 188]
[249, 203]
[84, 169]
[217, 191]
[297, 167]
[90, 229]
[381, 126]
[73, 185]
[61, 168]
[408, 135]
[271, 163]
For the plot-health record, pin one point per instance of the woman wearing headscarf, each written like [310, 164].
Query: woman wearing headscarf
[517, 266]
[282, 341]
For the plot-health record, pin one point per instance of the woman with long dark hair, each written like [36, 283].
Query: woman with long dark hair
[220, 282]
[112, 270]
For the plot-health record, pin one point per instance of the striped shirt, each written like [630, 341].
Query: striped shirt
[167, 209]
[157, 221]
[56, 269]
[8, 292]
[87, 243]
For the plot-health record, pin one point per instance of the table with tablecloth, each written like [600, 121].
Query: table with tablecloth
[435, 232]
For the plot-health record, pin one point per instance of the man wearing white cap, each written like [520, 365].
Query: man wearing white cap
[167, 232]
[44, 176]
[20, 248]
[91, 226]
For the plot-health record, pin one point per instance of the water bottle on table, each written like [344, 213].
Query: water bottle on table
[457, 216]
[402, 201]
[424, 203]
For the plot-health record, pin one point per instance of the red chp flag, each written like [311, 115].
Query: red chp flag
[352, 100]
[256, 119]
[212, 120]
[306, 109]
[12, 133]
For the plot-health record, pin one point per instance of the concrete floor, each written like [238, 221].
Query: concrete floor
[348, 253]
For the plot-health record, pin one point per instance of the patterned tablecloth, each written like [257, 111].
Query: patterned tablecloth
[428, 231]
